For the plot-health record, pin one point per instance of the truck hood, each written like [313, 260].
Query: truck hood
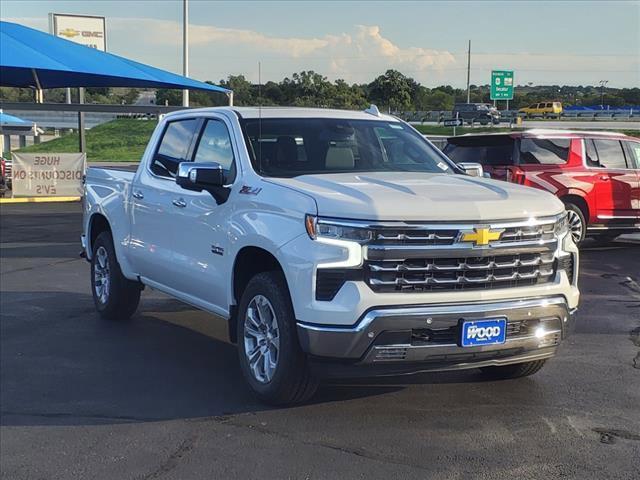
[410, 196]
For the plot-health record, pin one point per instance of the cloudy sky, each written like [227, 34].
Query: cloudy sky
[556, 42]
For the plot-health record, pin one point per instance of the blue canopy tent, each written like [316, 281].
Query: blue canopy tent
[31, 58]
[34, 59]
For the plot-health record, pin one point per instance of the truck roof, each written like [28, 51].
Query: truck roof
[296, 112]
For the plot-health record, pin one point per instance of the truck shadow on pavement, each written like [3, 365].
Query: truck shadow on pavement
[62, 365]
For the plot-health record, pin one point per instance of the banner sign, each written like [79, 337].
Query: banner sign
[84, 29]
[47, 174]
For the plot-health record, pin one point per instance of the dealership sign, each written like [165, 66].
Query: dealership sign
[48, 174]
[83, 29]
[502, 85]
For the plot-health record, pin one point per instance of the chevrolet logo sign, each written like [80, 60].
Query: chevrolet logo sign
[481, 236]
[69, 33]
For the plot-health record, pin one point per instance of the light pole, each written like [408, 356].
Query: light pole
[602, 84]
[185, 49]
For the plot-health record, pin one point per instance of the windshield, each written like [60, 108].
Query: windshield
[288, 147]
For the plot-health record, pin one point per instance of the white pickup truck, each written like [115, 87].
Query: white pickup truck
[334, 243]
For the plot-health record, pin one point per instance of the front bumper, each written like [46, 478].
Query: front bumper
[421, 338]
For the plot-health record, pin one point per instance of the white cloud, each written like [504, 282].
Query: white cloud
[357, 55]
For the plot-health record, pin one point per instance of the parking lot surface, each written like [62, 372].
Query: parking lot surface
[162, 396]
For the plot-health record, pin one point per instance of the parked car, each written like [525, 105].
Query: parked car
[595, 174]
[333, 243]
[542, 109]
[482, 113]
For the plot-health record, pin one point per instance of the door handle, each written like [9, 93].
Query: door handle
[138, 194]
[179, 202]
[605, 178]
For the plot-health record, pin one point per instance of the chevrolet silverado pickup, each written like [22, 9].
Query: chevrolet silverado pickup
[334, 243]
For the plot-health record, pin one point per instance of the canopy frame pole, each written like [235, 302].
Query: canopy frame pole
[39, 92]
[82, 144]
[185, 49]
[230, 96]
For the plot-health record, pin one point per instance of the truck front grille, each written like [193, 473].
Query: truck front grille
[419, 258]
[426, 274]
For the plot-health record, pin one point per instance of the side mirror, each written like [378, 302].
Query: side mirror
[473, 169]
[200, 176]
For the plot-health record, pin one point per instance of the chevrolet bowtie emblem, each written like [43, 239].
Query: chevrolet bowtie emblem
[481, 236]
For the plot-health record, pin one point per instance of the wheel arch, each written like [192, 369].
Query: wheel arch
[249, 261]
[98, 223]
[579, 201]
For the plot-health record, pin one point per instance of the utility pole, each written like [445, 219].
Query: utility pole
[602, 84]
[468, 72]
[185, 49]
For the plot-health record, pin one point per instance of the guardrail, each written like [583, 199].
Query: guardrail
[506, 115]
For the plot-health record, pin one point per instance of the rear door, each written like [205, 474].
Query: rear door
[542, 163]
[615, 182]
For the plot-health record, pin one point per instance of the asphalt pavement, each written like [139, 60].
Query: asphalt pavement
[161, 396]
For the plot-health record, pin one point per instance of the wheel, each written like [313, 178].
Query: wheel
[271, 359]
[516, 370]
[577, 223]
[115, 296]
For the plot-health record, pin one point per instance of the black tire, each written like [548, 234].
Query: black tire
[516, 370]
[576, 215]
[291, 381]
[123, 295]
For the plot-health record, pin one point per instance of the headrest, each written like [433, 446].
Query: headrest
[286, 151]
[339, 158]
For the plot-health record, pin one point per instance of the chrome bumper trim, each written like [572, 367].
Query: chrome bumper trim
[358, 341]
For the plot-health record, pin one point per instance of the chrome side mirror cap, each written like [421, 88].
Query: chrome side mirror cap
[198, 176]
[473, 169]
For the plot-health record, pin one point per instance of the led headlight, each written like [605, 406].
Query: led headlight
[323, 228]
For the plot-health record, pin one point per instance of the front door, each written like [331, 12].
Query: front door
[154, 240]
[202, 223]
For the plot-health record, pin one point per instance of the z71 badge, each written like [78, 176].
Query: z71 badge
[247, 190]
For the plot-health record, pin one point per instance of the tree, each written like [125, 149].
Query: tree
[392, 90]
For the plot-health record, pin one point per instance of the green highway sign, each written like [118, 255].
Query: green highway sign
[502, 85]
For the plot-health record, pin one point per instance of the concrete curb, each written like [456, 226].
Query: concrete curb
[39, 199]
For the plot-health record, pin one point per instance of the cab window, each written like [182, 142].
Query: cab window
[633, 153]
[174, 147]
[591, 154]
[215, 146]
[542, 151]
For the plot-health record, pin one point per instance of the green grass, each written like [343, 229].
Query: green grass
[121, 140]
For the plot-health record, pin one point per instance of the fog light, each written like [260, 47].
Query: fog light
[540, 332]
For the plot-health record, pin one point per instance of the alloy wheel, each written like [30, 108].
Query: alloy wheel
[101, 277]
[575, 226]
[261, 339]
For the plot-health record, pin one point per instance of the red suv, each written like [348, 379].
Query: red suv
[596, 174]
